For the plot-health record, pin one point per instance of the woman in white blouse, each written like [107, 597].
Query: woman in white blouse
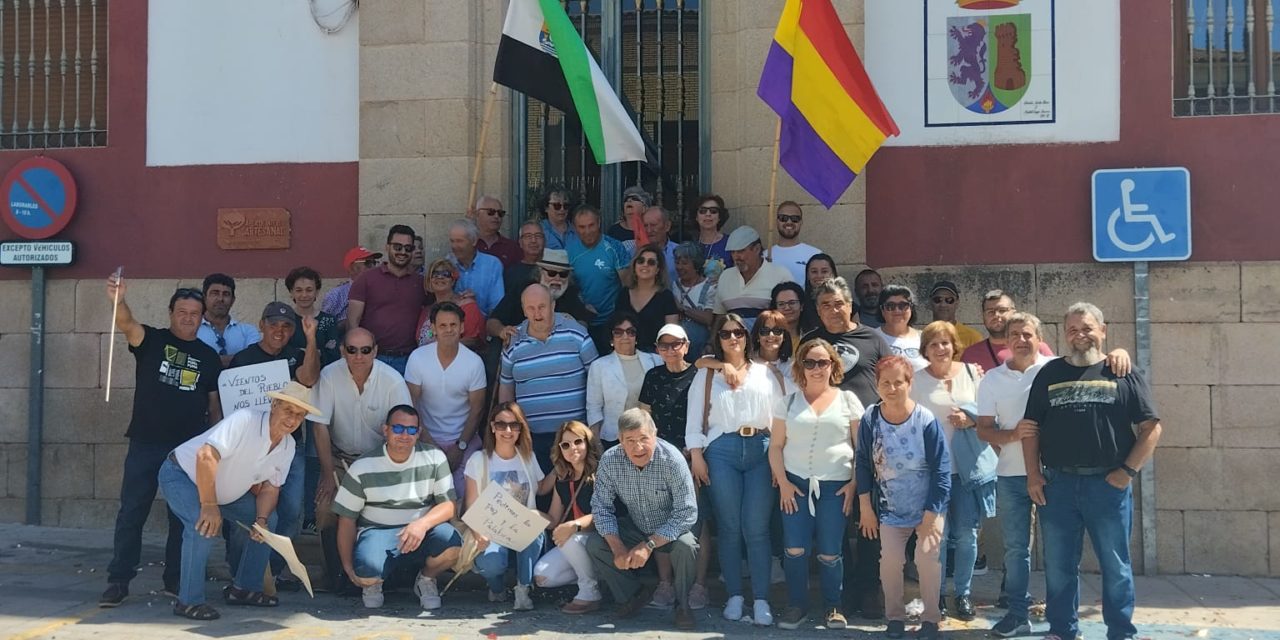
[727, 434]
[811, 456]
[614, 381]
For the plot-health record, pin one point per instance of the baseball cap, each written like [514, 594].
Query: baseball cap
[741, 238]
[673, 330]
[357, 254]
[279, 311]
[944, 285]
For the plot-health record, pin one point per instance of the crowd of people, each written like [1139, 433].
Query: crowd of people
[658, 402]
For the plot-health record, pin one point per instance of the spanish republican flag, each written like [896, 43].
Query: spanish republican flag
[832, 118]
[542, 56]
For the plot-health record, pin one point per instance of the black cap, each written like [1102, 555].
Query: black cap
[279, 311]
[944, 284]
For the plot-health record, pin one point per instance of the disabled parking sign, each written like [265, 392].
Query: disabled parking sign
[1141, 214]
[39, 197]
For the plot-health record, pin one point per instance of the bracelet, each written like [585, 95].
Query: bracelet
[1130, 471]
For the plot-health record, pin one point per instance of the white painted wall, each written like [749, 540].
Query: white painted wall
[250, 81]
[1088, 75]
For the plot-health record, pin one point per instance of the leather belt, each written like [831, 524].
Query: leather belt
[1085, 471]
[748, 431]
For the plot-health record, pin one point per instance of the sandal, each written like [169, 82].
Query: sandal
[196, 611]
[244, 598]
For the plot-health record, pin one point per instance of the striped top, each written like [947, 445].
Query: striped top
[380, 493]
[550, 377]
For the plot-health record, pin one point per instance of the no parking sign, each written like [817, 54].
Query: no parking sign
[39, 197]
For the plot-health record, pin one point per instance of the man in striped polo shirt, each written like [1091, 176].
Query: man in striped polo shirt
[544, 368]
[393, 507]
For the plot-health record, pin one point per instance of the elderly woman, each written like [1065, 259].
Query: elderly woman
[897, 310]
[555, 218]
[574, 460]
[646, 295]
[949, 389]
[820, 268]
[614, 381]
[710, 217]
[439, 283]
[695, 296]
[234, 470]
[788, 299]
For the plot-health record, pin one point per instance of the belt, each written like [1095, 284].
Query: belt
[748, 431]
[1085, 471]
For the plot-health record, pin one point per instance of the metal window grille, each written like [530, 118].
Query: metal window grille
[1225, 57]
[53, 73]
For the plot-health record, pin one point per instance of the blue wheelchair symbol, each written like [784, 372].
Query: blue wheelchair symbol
[1141, 214]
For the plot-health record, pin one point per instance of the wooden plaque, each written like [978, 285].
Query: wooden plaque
[253, 229]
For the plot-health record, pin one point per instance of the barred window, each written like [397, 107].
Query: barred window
[1225, 57]
[53, 73]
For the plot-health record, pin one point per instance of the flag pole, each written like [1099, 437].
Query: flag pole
[484, 134]
[773, 185]
[111, 343]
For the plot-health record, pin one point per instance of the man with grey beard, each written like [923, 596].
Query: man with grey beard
[555, 273]
[1080, 462]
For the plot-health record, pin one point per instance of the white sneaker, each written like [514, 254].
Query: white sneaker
[523, 601]
[763, 615]
[733, 608]
[428, 593]
[498, 596]
[372, 596]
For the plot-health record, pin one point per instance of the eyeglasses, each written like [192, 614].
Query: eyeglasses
[811, 364]
[493, 212]
[648, 262]
[364, 351]
[944, 300]
[533, 236]
[726, 334]
[442, 274]
[577, 442]
[633, 199]
[557, 205]
[401, 429]
[556, 273]
[708, 210]
[671, 346]
[998, 311]
[896, 306]
[193, 294]
[401, 248]
[786, 218]
[499, 425]
[787, 304]
[618, 332]
[776, 332]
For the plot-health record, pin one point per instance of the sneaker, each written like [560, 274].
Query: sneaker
[980, 565]
[372, 596]
[664, 597]
[114, 595]
[733, 608]
[309, 528]
[762, 615]
[873, 605]
[523, 601]
[927, 631]
[1010, 626]
[698, 598]
[498, 596]
[428, 593]
[835, 619]
[895, 629]
[791, 618]
[964, 608]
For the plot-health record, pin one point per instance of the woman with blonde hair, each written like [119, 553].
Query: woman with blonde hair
[574, 458]
[439, 281]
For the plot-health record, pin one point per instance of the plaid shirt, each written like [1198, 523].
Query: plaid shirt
[659, 497]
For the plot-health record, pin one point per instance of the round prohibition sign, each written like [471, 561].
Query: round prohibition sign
[39, 197]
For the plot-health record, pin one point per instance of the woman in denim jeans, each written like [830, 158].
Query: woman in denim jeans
[811, 455]
[727, 434]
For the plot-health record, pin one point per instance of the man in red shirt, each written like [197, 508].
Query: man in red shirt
[387, 300]
[488, 216]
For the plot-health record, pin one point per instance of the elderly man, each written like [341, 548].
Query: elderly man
[649, 477]
[657, 225]
[218, 329]
[479, 273]
[944, 300]
[234, 470]
[388, 300]
[355, 262]
[747, 288]
[544, 368]
[488, 215]
[598, 261]
[1080, 461]
[790, 252]
[867, 285]
[175, 398]
[555, 273]
[393, 509]
[532, 243]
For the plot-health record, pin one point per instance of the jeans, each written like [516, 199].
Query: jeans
[798, 532]
[137, 493]
[312, 477]
[397, 362]
[1015, 508]
[491, 564]
[1075, 504]
[377, 551]
[743, 497]
[184, 500]
[964, 515]
[288, 515]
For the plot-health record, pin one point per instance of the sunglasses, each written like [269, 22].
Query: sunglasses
[194, 294]
[442, 273]
[401, 429]
[401, 248]
[708, 209]
[786, 218]
[648, 262]
[577, 442]
[364, 351]
[726, 334]
[776, 332]
[618, 332]
[671, 346]
[556, 273]
[558, 206]
[222, 344]
[811, 364]
[943, 300]
[501, 213]
[896, 306]
[499, 425]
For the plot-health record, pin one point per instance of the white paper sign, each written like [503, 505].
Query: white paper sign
[246, 387]
[501, 518]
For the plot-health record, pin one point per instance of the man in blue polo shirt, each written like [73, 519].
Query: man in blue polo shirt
[217, 328]
[598, 261]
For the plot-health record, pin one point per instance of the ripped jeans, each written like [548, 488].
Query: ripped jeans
[799, 531]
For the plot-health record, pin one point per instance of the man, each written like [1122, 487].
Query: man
[488, 215]
[479, 273]
[175, 399]
[860, 348]
[649, 477]
[598, 262]
[554, 273]
[532, 243]
[357, 260]
[388, 300]
[1081, 459]
[747, 288]
[217, 328]
[400, 497]
[997, 307]
[944, 299]
[447, 383]
[544, 368]
[790, 252]
[1002, 401]
[634, 202]
[657, 225]
[867, 285]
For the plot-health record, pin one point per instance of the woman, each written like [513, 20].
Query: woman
[726, 431]
[439, 283]
[811, 456]
[896, 308]
[902, 466]
[507, 460]
[303, 284]
[788, 299]
[555, 218]
[710, 217]
[574, 458]
[614, 381]
[695, 296]
[646, 295]
[771, 345]
[820, 268]
[949, 389]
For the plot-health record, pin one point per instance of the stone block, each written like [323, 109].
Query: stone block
[724, 166]
[1110, 287]
[399, 21]
[148, 299]
[4, 473]
[82, 416]
[15, 360]
[1249, 353]
[1169, 542]
[59, 306]
[108, 470]
[842, 233]
[373, 229]
[1243, 417]
[71, 360]
[1259, 291]
[1216, 479]
[15, 314]
[415, 71]
[1206, 533]
[96, 514]
[1274, 534]
[13, 510]
[1195, 292]
[396, 129]
[1185, 353]
[722, 19]
[1184, 414]
[252, 294]
[398, 186]
[123, 365]
[1120, 335]
[66, 471]
[725, 133]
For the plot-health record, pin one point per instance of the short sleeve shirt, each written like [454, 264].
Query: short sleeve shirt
[173, 380]
[652, 316]
[381, 493]
[859, 351]
[444, 402]
[246, 456]
[667, 394]
[355, 417]
[391, 307]
[596, 271]
[1086, 414]
[1002, 394]
[512, 474]
[550, 376]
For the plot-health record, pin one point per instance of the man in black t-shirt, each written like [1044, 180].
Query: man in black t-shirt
[554, 272]
[1079, 468]
[175, 399]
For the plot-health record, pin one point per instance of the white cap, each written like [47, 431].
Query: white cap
[673, 330]
[741, 238]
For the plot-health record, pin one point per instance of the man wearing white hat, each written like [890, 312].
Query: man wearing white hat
[746, 289]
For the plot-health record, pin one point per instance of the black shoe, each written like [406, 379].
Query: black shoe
[980, 566]
[1010, 626]
[896, 629]
[285, 583]
[114, 595]
[964, 608]
[942, 605]
[927, 631]
[873, 605]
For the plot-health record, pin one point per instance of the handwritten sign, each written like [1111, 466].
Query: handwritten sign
[499, 517]
[246, 387]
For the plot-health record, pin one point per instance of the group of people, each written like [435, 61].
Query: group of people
[749, 402]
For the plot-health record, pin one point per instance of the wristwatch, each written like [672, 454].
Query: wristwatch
[462, 444]
[1130, 471]
[650, 544]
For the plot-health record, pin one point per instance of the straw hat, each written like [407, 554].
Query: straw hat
[295, 393]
